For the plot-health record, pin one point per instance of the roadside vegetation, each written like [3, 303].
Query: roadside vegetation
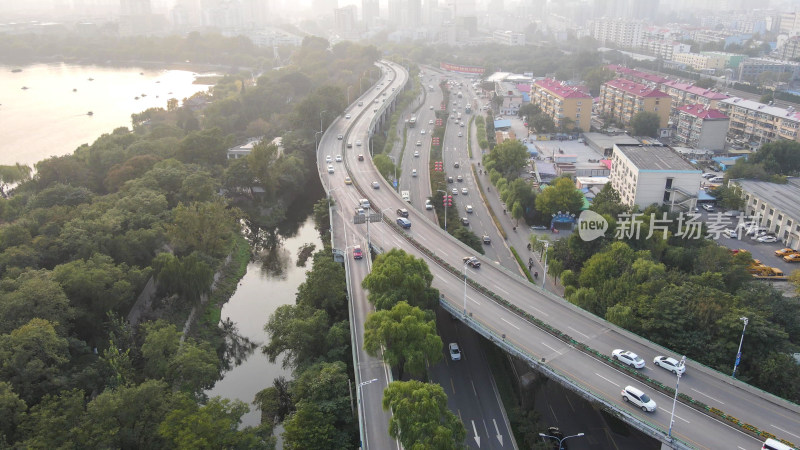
[685, 294]
[80, 240]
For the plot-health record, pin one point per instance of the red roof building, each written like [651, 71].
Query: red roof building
[622, 99]
[564, 104]
[701, 127]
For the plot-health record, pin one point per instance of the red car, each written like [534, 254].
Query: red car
[357, 253]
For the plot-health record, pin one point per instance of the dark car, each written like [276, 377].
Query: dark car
[360, 157]
[472, 261]
[402, 212]
[449, 179]
[465, 221]
[456, 165]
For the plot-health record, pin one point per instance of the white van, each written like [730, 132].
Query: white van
[406, 196]
[364, 203]
[716, 180]
[772, 444]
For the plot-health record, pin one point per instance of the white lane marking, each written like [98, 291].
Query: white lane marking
[705, 395]
[443, 279]
[501, 289]
[573, 329]
[676, 416]
[784, 431]
[441, 253]
[551, 348]
[615, 384]
[504, 320]
[474, 301]
[539, 311]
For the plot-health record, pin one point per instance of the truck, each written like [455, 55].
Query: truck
[468, 109]
[412, 122]
[460, 95]
[406, 196]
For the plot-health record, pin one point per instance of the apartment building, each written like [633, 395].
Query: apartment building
[776, 206]
[622, 33]
[560, 101]
[664, 49]
[702, 127]
[637, 76]
[732, 60]
[686, 94]
[700, 62]
[751, 68]
[754, 122]
[789, 49]
[508, 38]
[646, 174]
[622, 99]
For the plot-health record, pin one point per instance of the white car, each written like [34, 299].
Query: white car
[730, 232]
[419, 143]
[455, 191]
[421, 131]
[413, 172]
[628, 357]
[416, 154]
[767, 239]
[459, 134]
[375, 185]
[358, 143]
[455, 352]
[347, 116]
[464, 191]
[328, 159]
[468, 208]
[338, 158]
[330, 168]
[638, 398]
[671, 364]
[428, 204]
[430, 107]
[430, 122]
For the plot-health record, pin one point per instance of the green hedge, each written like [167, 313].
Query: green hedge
[522, 264]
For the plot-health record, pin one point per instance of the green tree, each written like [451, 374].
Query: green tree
[34, 294]
[706, 83]
[420, 416]
[325, 287]
[295, 333]
[55, 421]
[161, 343]
[562, 196]
[385, 166]
[508, 158]
[542, 123]
[274, 402]
[310, 427]
[468, 237]
[406, 335]
[12, 411]
[608, 202]
[32, 359]
[211, 426]
[645, 123]
[398, 276]
[596, 76]
[207, 227]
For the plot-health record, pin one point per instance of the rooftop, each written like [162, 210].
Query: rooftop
[639, 90]
[653, 78]
[561, 89]
[700, 111]
[649, 158]
[699, 91]
[784, 197]
[790, 114]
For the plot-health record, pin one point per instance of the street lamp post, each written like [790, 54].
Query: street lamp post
[320, 119]
[561, 440]
[675, 399]
[739, 353]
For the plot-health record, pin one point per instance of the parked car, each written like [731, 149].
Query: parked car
[538, 227]
[708, 207]
[638, 398]
[767, 239]
[671, 364]
[792, 258]
[472, 261]
[730, 232]
[357, 253]
[784, 252]
[455, 352]
[628, 357]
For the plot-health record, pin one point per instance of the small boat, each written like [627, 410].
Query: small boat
[158, 81]
[144, 95]
[24, 88]
[141, 73]
[91, 79]
[136, 98]
[74, 90]
[16, 70]
[89, 113]
[169, 93]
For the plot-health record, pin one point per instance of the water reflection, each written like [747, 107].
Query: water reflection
[237, 347]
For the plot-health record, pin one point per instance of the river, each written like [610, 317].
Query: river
[50, 119]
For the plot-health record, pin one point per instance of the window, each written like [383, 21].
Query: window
[771, 211]
[780, 217]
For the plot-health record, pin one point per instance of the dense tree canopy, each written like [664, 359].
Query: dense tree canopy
[508, 158]
[561, 196]
[420, 416]
[398, 276]
[645, 123]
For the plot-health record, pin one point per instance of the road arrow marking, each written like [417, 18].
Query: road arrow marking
[475, 431]
[499, 436]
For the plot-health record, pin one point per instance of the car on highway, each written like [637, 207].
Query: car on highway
[468, 208]
[360, 157]
[338, 158]
[430, 107]
[416, 154]
[459, 178]
[340, 137]
[360, 211]
[348, 180]
[459, 134]
[376, 185]
[430, 122]
[419, 143]
[358, 143]
[403, 222]
[471, 261]
[421, 131]
[638, 398]
[428, 204]
[456, 165]
[328, 158]
[671, 364]
[767, 239]
[402, 212]
[628, 357]
[449, 179]
[454, 191]
[465, 221]
[413, 172]
[357, 253]
[464, 191]
[347, 116]
[349, 145]
[486, 239]
[455, 352]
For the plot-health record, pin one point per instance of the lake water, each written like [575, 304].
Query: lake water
[50, 119]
